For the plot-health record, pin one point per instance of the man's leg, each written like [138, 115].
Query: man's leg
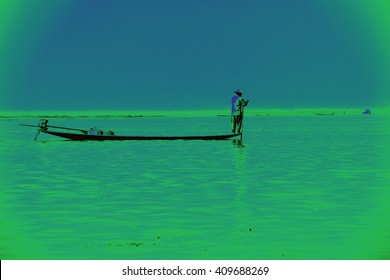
[233, 123]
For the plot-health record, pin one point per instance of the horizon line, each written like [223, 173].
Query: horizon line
[185, 112]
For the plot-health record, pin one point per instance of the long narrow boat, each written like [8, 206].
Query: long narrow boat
[88, 137]
[98, 135]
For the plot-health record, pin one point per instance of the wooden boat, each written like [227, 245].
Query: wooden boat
[98, 135]
[324, 114]
[88, 137]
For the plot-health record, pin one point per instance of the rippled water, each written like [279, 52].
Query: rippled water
[297, 187]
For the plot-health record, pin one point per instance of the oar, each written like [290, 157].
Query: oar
[242, 121]
[36, 135]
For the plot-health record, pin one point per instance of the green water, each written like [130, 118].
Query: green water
[297, 187]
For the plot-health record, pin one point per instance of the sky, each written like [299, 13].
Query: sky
[176, 54]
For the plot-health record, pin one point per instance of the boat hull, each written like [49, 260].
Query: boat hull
[87, 137]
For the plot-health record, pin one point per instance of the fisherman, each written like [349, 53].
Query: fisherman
[43, 124]
[238, 104]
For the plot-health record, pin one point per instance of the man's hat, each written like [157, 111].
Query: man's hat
[237, 91]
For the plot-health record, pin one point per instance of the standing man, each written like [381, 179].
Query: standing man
[238, 104]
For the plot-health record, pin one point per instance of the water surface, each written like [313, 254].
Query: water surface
[296, 187]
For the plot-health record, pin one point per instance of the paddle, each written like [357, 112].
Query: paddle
[241, 121]
[36, 135]
[242, 117]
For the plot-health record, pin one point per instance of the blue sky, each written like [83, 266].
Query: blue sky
[141, 55]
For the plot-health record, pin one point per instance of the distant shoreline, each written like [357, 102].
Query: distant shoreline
[256, 112]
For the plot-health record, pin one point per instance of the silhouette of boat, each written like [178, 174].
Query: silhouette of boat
[99, 135]
[324, 114]
[88, 137]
